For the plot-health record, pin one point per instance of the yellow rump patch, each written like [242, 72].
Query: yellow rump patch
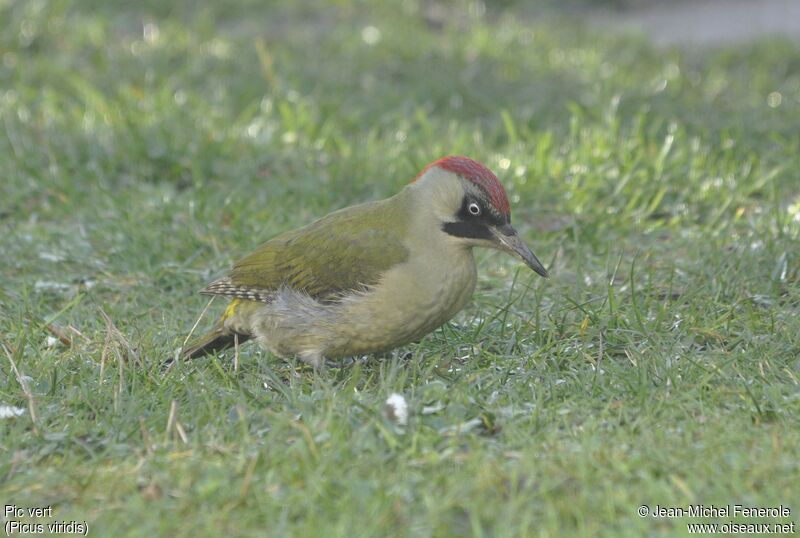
[231, 309]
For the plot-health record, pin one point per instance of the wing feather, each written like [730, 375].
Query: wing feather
[345, 251]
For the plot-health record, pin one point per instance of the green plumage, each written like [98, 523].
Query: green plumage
[345, 251]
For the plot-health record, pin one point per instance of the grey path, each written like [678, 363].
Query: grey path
[708, 22]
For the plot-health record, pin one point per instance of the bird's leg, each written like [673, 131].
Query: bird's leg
[312, 357]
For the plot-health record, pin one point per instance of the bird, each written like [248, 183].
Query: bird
[368, 278]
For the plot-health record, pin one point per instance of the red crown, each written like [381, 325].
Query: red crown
[478, 174]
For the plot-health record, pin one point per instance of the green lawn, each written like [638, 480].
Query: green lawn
[144, 149]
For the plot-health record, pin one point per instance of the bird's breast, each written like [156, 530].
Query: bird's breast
[411, 300]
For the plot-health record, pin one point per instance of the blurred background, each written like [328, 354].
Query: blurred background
[201, 102]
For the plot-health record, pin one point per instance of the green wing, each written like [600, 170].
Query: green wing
[345, 251]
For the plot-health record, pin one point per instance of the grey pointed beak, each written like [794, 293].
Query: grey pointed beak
[508, 240]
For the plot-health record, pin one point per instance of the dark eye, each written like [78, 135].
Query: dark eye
[474, 209]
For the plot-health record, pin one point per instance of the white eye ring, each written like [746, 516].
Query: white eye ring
[474, 209]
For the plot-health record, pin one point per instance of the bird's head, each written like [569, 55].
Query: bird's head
[472, 207]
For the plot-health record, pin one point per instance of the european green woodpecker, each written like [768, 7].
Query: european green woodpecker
[371, 277]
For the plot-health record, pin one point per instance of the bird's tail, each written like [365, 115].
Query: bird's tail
[222, 336]
[217, 339]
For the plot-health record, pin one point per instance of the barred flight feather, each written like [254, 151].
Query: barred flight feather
[225, 287]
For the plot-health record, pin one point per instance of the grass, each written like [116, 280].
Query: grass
[143, 149]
